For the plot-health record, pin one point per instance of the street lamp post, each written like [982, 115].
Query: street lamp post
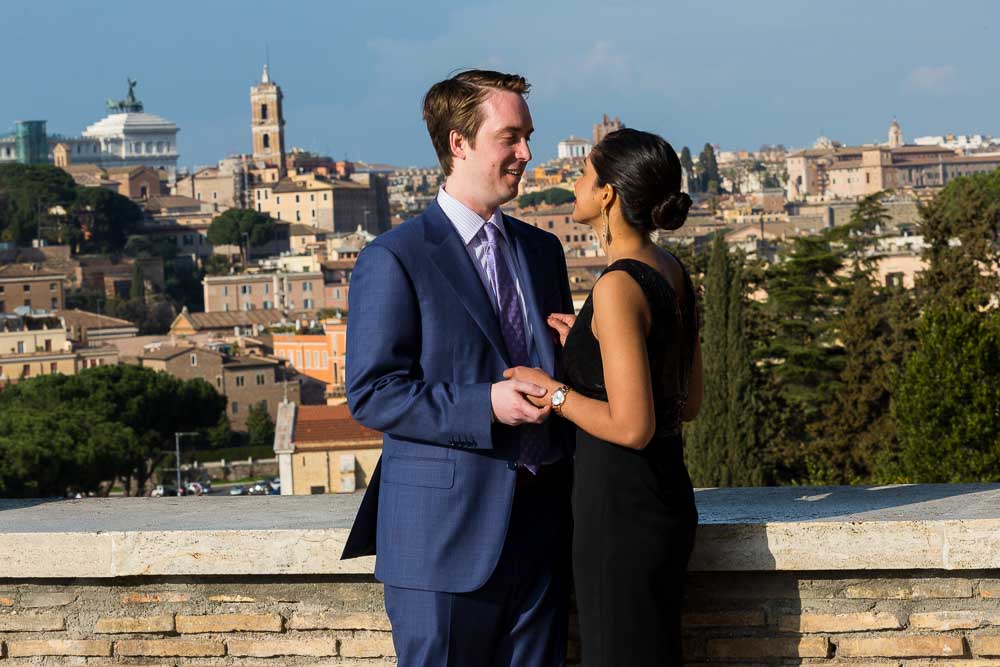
[177, 447]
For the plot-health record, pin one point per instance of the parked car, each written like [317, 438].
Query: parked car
[238, 490]
[259, 489]
[194, 489]
[275, 485]
[162, 490]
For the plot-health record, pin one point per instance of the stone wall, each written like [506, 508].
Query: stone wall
[835, 576]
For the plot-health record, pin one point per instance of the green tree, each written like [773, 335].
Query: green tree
[551, 197]
[106, 219]
[947, 405]
[26, 195]
[60, 434]
[709, 170]
[723, 444]
[137, 288]
[960, 228]
[799, 350]
[260, 428]
[687, 164]
[229, 227]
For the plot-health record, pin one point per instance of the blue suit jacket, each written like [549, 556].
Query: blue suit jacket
[423, 348]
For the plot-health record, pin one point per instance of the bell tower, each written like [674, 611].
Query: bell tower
[267, 123]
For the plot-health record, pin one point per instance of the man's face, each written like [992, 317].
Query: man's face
[495, 165]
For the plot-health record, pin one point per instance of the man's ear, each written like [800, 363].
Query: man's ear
[457, 145]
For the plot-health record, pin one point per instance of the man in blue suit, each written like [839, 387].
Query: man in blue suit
[468, 511]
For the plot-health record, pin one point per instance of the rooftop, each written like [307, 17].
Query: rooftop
[327, 426]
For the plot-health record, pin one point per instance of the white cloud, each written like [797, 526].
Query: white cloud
[934, 80]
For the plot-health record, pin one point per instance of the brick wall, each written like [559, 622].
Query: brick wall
[758, 618]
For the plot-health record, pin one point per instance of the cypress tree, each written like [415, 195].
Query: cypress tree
[723, 447]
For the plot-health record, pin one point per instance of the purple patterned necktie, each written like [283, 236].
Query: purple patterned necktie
[511, 318]
[514, 335]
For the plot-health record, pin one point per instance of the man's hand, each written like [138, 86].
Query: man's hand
[510, 405]
[561, 323]
[538, 378]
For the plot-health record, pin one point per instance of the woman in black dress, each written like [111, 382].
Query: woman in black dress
[633, 370]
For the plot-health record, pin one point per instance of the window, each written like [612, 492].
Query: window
[324, 196]
[259, 208]
[313, 213]
[236, 407]
[336, 292]
[567, 238]
[260, 378]
[277, 200]
[267, 141]
[298, 215]
[258, 195]
[296, 199]
[266, 305]
[218, 381]
[27, 288]
[240, 381]
[307, 287]
[312, 197]
[215, 195]
[194, 359]
[20, 347]
[26, 370]
[245, 289]
[307, 303]
[552, 223]
[52, 287]
[566, 219]
[225, 290]
[27, 302]
[3, 306]
[266, 193]
[2, 289]
[263, 112]
[53, 367]
[48, 344]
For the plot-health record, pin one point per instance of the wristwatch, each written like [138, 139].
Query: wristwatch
[559, 397]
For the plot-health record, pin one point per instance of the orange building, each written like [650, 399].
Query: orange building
[319, 356]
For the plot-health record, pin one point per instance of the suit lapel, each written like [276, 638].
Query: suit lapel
[452, 259]
[533, 279]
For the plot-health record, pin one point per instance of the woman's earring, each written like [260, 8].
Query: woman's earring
[605, 228]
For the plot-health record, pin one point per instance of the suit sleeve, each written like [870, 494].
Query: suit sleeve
[385, 387]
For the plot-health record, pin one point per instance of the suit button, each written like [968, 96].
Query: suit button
[511, 465]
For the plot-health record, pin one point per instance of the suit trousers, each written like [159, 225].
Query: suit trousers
[518, 618]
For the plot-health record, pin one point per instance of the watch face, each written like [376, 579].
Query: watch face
[558, 396]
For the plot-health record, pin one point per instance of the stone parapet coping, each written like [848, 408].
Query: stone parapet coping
[908, 527]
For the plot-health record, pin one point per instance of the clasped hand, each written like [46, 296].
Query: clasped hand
[523, 396]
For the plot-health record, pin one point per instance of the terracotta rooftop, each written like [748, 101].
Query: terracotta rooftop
[83, 318]
[330, 427]
[27, 271]
[234, 318]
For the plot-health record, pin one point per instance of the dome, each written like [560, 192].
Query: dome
[121, 123]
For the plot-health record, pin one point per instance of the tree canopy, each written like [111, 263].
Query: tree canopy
[62, 434]
[552, 197]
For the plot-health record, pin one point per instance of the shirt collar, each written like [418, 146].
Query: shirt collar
[466, 221]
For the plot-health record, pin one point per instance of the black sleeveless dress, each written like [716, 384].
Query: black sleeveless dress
[633, 510]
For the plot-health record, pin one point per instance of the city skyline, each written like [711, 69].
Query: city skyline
[353, 77]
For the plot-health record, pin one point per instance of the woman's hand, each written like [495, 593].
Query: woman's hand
[561, 323]
[534, 376]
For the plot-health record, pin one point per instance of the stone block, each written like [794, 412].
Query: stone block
[178, 648]
[810, 622]
[60, 647]
[953, 620]
[808, 647]
[129, 624]
[725, 619]
[338, 621]
[229, 623]
[231, 598]
[6, 602]
[55, 599]
[32, 623]
[904, 589]
[985, 645]
[367, 647]
[900, 647]
[269, 648]
[990, 588]
[154, 598]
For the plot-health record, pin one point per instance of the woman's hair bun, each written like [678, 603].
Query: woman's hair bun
[672, 211]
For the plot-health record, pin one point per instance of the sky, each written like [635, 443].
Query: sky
[733, 73]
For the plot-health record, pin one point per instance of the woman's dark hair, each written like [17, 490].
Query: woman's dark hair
[645, 172]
